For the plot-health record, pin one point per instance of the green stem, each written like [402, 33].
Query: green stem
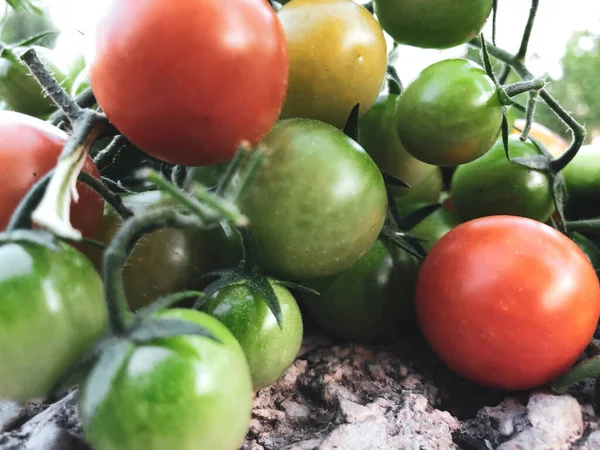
[55, 91]
[85, 100]
[589, 226]
[249, 251]
[118, 251]
[527, 33]
[520, 87]
[529, 114]
[109, 196]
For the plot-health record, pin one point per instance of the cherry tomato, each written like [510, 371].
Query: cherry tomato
[52, 309]
[450, 114]
[317, 204]
[507, 302]
[433, 227]
[378, 136]
[588, 247]
[21, 91]
[188, 84]
[582, 180]
[184, 393]
[492, 185]
[269, 349]
[338, 58]
[552, 141]
[167, 260]
[432, 24]
[29, 148]
[370, 298]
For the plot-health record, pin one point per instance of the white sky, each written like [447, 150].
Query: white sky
[556, 20]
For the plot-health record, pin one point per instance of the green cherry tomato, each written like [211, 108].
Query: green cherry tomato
[338, 58]
[367, 300]
[269, 350]
[317, 204]
[52, 309]
[184, 393]
[434, 226]
[450, 114]
[491, 185]
[431, 23]
[21, 91]
[582, 180]
[167, 260]
[588, 247]
[378, 136]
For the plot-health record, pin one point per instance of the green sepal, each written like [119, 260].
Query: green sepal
[295, 287]
[417, 216]
[261, 285]
[393, 180]
[351, 126]
[164, 303]
[37, 237]
[161, 328]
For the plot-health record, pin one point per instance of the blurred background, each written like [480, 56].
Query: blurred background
[564, 47]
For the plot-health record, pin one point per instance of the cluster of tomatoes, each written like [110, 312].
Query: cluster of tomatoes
[502, 296]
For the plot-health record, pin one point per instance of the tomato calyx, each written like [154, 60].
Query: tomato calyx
[248, 272]
[37, 237]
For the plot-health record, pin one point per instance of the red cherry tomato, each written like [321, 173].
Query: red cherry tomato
[188, 82]
[507, 302]
[29, 148]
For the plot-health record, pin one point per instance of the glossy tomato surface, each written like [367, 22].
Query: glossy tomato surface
[188, 84]
[318, 202]
[432, 23]
[369, 299]
[29, 148]
[184, 393]
[52, 309]
[582, 180]
[338, 58]
[492, 185]
[269, 349]
[450, 114]
[378, 136]
[167, 260]
[507, 302]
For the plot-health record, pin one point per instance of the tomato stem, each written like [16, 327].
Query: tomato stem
[119, 249]
[527, 32]
[587, 225]
[520, 87]
[85, 100]
[55, 91]
[529, 114]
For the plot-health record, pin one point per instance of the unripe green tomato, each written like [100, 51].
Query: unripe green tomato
[269, 349]
[582, 180]
[21, 91]
[588, 247]
[450, 114]
[429, 190]
[433, 227]
[167, 260]
[338, 58]
[432, 23]
[378, 136]
[492, 185]
[367, 300]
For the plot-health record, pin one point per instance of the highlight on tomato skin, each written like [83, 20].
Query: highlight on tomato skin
[507, 302]
[189, 98]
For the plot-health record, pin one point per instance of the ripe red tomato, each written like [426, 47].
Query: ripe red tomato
[188, 83]
[507, 302]
[29, 148]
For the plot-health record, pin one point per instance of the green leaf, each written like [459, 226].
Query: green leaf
[393, 180]
[590, 368]
[163, 327]
[263, 288]
[24, 5]
[35, 39]
[101, 378]
[351, 127]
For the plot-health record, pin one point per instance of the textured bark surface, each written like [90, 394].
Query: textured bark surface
[393, 395]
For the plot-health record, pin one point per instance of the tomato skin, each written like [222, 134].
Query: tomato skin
[554, 143]
[185, 392]
[317, 204]
[196, 95]
[492, 185]
[367, 300]
[338, 58]
[432, 24]
[378, 136]
[434, 226]
[450, 114]
[525, 311]
[269, 350]
[582, 180]
[52, 310]
[167, 260]
[29, 148]
[21, 91]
